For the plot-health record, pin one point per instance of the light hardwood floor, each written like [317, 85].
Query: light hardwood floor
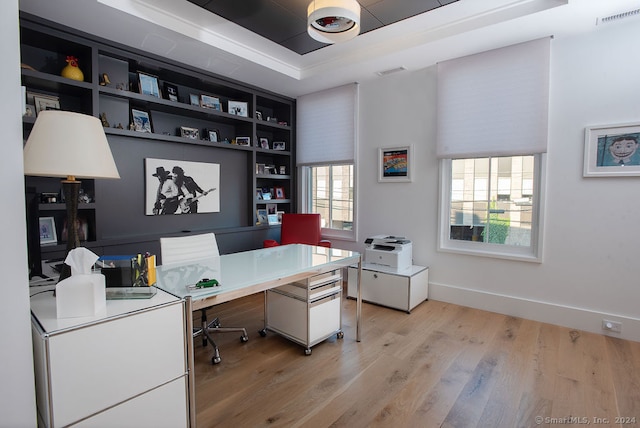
[443, 365]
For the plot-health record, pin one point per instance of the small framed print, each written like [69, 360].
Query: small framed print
[283, 170]
[190, 133]
[194, 99]
[394, 164]
[262, 216]
[279, 192]
[238, 108]
[260, 168]
[213, 135]
[279, 214]
[612, 151]
[208, 101]
[259, 194]
[273, 219]
[264, 143]
[258, 115]
[48, 231]
[141, 122]
[171, 91]
[279, 145]
[148, 85]
[43, 102]
[243, 141]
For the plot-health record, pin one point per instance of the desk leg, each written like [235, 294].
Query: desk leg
[191, 376]
[359, 301]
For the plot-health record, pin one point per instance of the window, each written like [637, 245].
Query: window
[490, 206]
[329, 192]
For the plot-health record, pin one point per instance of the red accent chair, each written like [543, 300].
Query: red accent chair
[299, 229]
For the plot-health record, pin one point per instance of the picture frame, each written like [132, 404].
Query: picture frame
[141, 121]
[47, 228]
[612, 150]
[279, 214]
[279, 192]
[243, 141]
[171, 91]
[194, 99]
[279, 145]
[43, 102]
[272, 208]
[148, 84]
[259, 194]
[272, 219]
[282, 170]
[190, 133]
[260, 168]
[261, 214]
[213, 103]
[264, 143]
[238, 108]
[394, 164]
[29, 110]
[213, 135]
[258, 115]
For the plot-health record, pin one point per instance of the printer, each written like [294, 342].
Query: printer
[391, 251]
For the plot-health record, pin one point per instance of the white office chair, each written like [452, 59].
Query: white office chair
[187, 248]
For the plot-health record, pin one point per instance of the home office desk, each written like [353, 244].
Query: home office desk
[248, 272]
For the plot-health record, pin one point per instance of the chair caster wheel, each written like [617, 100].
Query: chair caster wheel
[244, 338]
[215, 360]
[307, 352]
[263, 332]
[340, 335]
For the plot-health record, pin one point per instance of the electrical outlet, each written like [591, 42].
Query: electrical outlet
[614, 326]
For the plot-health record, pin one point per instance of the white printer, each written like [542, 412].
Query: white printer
[391, 251]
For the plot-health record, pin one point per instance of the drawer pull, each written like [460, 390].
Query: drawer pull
[375, 275]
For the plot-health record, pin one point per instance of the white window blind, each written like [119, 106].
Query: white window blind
[494, 103]
[326, 126]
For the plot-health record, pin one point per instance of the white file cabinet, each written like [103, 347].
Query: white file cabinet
[384, 286]
[306, 312]
[125, 367]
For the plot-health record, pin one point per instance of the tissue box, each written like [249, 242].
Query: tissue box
[81, 296]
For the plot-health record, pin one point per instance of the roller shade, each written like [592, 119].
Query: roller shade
[494, 103]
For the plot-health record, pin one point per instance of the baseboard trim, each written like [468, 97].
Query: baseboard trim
[567, 316]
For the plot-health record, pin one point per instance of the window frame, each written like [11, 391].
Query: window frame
[532, 253]
[304, 174]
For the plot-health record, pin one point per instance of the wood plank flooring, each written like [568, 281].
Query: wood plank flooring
[443, 365]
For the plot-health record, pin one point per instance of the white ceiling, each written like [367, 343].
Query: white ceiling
[180, 30]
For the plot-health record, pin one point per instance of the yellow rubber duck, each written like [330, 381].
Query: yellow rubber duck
[72, 71]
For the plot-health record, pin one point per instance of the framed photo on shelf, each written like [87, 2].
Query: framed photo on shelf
[207, 101]
[262, 216]
[259, 194]
[48, 231]
[612, 150]
[190, 133]
[279, 145]
[264, 143]
[260, 168]
[148, 84]
[243, 141]
[171, 91]
[238, 108]
[279, 192]
[194, 99]
[394, 164]
[45, 102]
[271, 208]
[141, 121]
[279, 214]
[258, 115]
[273, 219]
[213, 135]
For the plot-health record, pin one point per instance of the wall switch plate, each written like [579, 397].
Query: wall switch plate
[614, 326]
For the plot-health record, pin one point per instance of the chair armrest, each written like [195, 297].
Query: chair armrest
[267, 243]
[324, 243]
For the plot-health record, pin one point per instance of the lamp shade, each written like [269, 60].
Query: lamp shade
[333, 21]
[63, 144]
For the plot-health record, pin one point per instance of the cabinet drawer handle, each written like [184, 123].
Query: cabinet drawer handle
[375, 275]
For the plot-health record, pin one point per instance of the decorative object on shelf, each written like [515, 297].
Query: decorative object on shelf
[283, 123]
[280, 193]
[272, 219]
[52, 150]
[141, 121]
[264, 143]
[190, 133]
[194, 99]
[260, 168]
[612, 150]
[266, 195]
[148, 85]
[30, 110]
[258, 115]
[104, 79]
[262, 216]
[48, 231]
[283, 169]
[71, 70]
[46, 102]
[243, 141]
[171, 91]
[279, 145]
[238, 108]
[259, 194]
[26, 67]
[103, 119]
[394, 164]
[272, 119]
[333, 21]
[181, 187]
[48, 198]
[213, 135]
[207, 101]
[280, 214]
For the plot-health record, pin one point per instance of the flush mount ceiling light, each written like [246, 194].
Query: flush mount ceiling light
[333, 21]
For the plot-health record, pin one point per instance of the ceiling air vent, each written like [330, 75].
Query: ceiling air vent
[619, 16]
[390, 71]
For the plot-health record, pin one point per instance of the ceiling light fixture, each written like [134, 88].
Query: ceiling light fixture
[333, 21]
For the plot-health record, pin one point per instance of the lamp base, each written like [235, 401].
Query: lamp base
[71, 190]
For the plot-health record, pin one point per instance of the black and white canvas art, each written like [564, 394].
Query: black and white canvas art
[181, 187]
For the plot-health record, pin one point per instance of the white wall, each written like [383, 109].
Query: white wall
[17, 393]
[591, 267]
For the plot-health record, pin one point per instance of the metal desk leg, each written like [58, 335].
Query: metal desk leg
[359, 300]
[191, 375]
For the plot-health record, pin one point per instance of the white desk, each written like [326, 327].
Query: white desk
[245, 273]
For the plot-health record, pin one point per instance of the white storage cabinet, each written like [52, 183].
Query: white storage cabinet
[126, 367]
[306, 312]
[385, 286]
